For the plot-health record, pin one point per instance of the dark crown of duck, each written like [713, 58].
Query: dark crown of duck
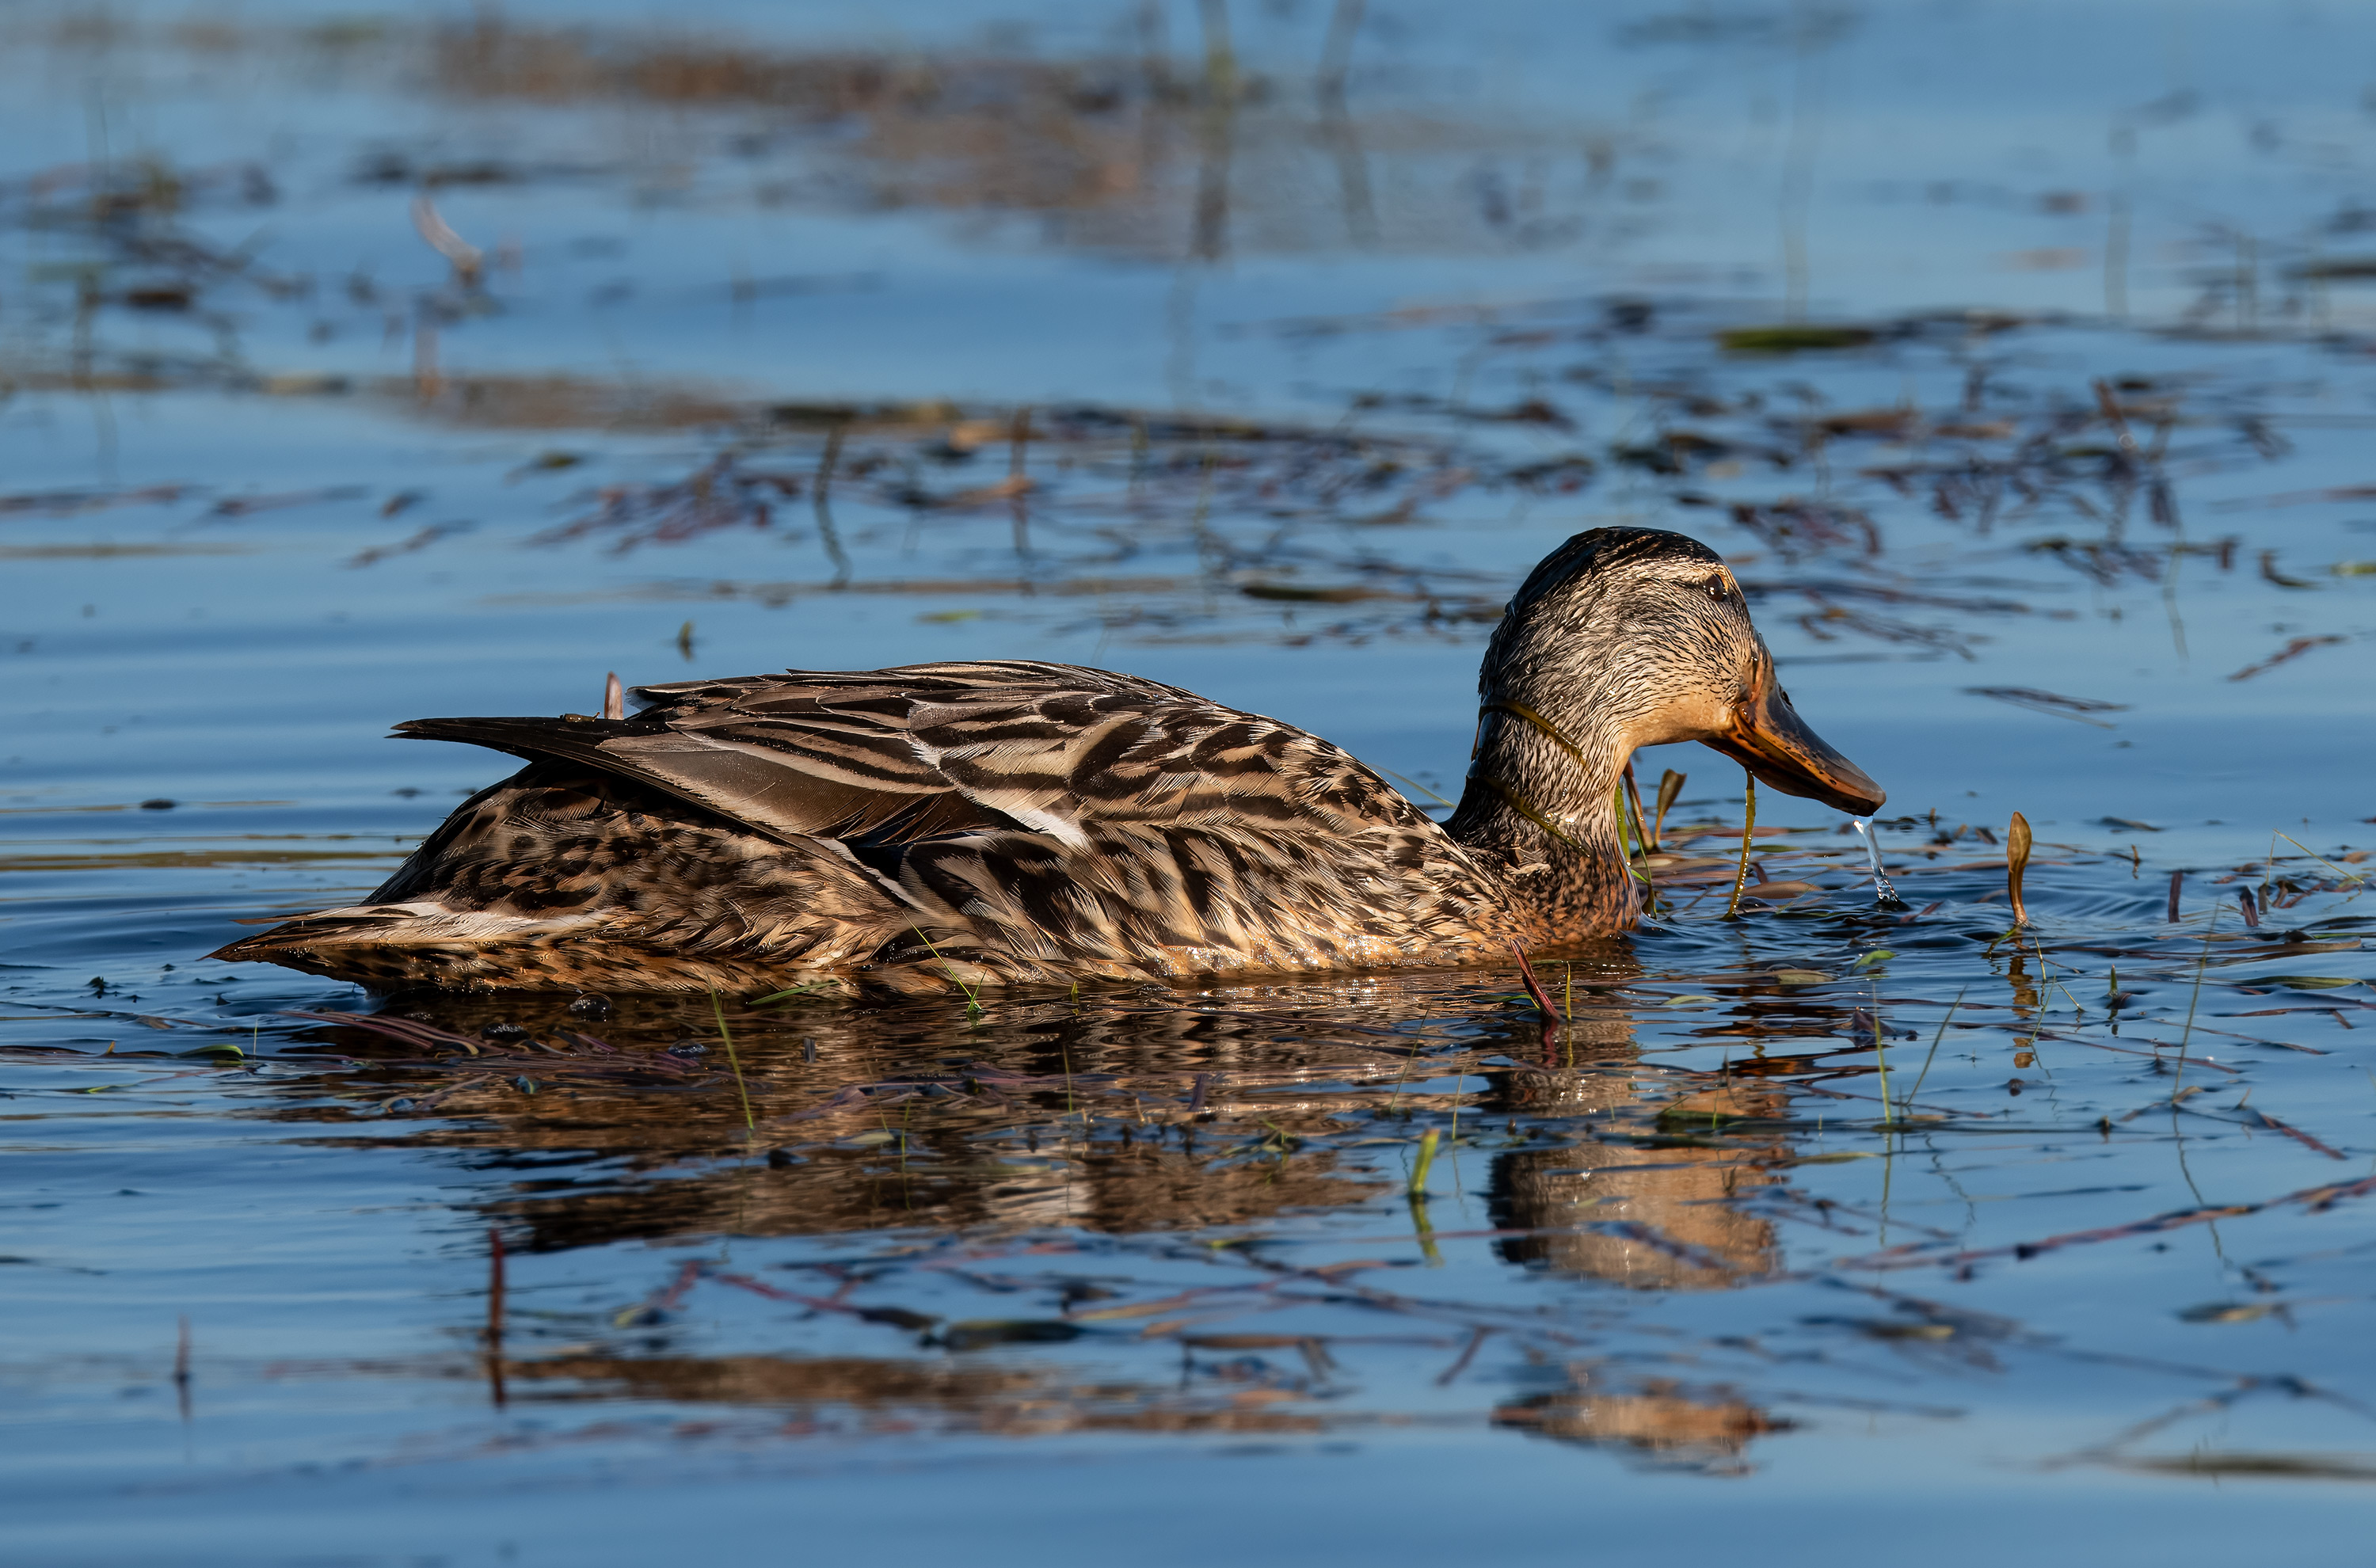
[1002, 822]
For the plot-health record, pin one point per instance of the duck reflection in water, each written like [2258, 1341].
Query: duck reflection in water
[1123, 1118]
[870, 1396]
[1661, 1218]
[1658, 1218]
[1660, 1421]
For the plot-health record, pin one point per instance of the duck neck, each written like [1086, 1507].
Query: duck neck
[1542, 792]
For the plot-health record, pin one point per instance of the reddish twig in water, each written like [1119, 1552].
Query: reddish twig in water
[2109, 406]
[817, 1303]
[2293, 650]
[495, 1314]
[409, 1031]
[2318, 1200]
[1477, 1337]
[182, 1367]
[665, 1299]
[1535, 987]
[1650, 1236]
[1552, 1022]
[2262, 1119]
[2127, 1050]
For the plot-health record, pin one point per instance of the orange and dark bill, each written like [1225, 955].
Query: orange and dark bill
[1766, 736]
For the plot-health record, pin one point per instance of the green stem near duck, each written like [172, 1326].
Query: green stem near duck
[948, 826]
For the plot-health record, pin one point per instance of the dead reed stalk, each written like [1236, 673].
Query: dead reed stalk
[1670, 784]
[2016, 863]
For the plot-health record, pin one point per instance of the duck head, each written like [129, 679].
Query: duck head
[1626, 637]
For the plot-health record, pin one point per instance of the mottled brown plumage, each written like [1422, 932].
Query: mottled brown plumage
[1000, 822]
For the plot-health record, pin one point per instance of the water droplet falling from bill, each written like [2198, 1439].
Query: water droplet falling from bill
[1882, 892]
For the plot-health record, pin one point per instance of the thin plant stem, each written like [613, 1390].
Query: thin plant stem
[973, 1003]
[1888, 1169]
[804, 989]
[1748, 832]
[1419, 1166]
[2187, 1033]
[1417, 785]
[733, 1061]
[1425, 1231]
[2177, 1080]
[2313, 854]
[1881, 1056]
[1934, 1049]
[1400, 1079]
[1630, 816]
[2045, 976]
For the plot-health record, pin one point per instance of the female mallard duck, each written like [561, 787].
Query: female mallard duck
[990, 823]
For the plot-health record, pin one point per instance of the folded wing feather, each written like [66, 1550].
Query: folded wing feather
[895, 756]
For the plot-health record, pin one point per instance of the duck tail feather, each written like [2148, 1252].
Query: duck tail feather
[304, 931]
[573, 740]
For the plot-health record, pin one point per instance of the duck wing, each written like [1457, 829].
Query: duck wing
[931, 751]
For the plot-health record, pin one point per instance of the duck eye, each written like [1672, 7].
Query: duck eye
[1717, 589]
